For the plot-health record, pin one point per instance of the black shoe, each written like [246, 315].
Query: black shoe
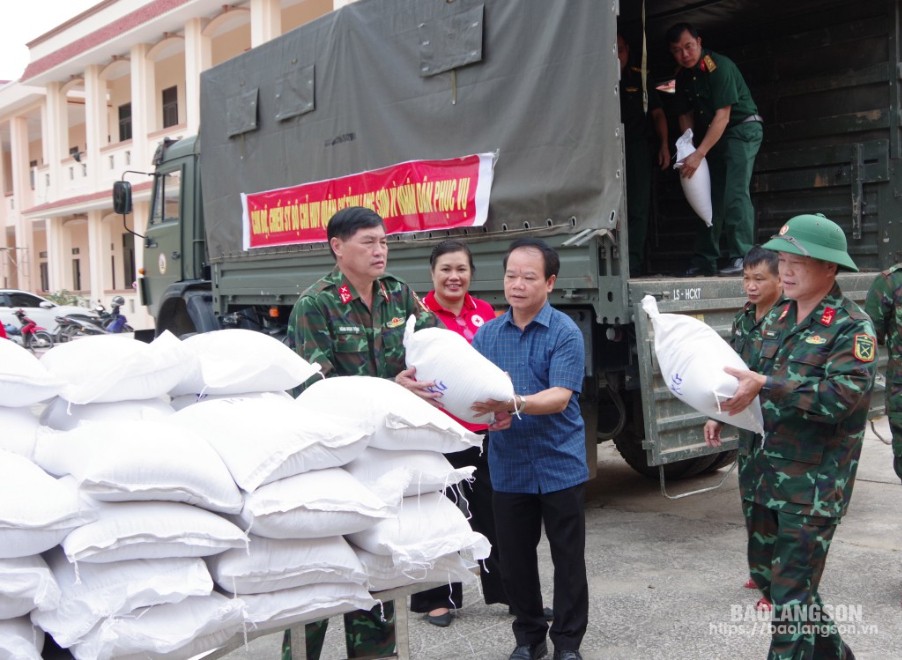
[547, 612]
[440, 620]
[735, 268]
[567, 654]
[530, 652]
[697, 271]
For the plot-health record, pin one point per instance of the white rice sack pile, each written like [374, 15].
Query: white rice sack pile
[274, 564]
[36, 510]
[24, 380]
[19, 429]
[697, 188]
[176, 630]
[277, 609]
[267, 438]
[62, 415]
[402, 419]
[315, 504]
[239, 361]
[26, 584]
[20, 639]
[692, 357]
[117, 461]
[460, 372]
[105, 368]
[185, 400]
[383, 573]
[149, 530]
[95, 592]
[422, 471]
[427, 527]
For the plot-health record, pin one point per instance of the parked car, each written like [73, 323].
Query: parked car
[41, 310]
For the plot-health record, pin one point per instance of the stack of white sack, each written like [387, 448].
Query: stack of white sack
[692, 357]
[238, 362]
[131, 581]
[113, 377]
[36, 513]
[298, 502]
[424, 540]
[24, 383]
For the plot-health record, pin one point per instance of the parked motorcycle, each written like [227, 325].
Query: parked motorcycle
[100, 323]
[31, 335]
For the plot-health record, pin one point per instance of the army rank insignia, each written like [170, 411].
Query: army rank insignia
[864, 348]
[709, 64]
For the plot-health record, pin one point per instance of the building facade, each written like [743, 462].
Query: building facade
[98, 95]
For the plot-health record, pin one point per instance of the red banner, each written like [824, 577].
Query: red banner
[418, 195]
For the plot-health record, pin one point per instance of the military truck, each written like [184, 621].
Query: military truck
[534, 85]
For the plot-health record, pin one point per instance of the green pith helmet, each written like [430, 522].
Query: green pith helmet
[813, 236]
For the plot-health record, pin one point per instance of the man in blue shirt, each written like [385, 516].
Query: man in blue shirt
[537, 454]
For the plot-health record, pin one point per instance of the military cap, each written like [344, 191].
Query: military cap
[815, 236]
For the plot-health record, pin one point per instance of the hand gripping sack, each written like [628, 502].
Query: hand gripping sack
[697, 188]
[460, 372]
[692, 357]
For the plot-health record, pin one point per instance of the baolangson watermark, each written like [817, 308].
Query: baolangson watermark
[819, 620]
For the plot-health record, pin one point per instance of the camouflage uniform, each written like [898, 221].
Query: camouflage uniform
[745, 335]
[820, 372]
[331, 325]
[884, 305]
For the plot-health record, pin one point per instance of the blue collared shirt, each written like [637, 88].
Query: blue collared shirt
[538, 453]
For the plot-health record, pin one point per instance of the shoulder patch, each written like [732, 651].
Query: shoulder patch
[709, 63]
[864, 348]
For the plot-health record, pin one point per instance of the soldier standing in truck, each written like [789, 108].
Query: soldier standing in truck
[637, 123]
[712, 96]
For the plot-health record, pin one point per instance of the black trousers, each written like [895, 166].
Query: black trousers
[518, 521]
[478, 502]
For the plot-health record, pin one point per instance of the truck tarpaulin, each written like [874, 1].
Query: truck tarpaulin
[381, 82]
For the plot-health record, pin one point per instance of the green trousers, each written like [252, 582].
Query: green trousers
[786, 555]
[730, 162]
[366, 634]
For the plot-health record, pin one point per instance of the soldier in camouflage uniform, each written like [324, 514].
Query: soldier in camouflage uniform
[351, 322]
[814, 371]
[884, 304]
[761, 283]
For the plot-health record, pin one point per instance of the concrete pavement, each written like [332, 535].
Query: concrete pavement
[666, 576]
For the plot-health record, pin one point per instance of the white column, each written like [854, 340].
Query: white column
[198, 57]
[53, 130]
[26, 259]
[57, 255]
[97, 266]
[96, 129]
[266, 21]
[143, 105]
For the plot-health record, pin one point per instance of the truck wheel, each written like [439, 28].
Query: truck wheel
[630, 448]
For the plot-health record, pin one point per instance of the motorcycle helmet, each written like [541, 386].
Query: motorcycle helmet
[119, 301]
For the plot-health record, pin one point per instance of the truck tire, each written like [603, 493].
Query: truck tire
[630, 448]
